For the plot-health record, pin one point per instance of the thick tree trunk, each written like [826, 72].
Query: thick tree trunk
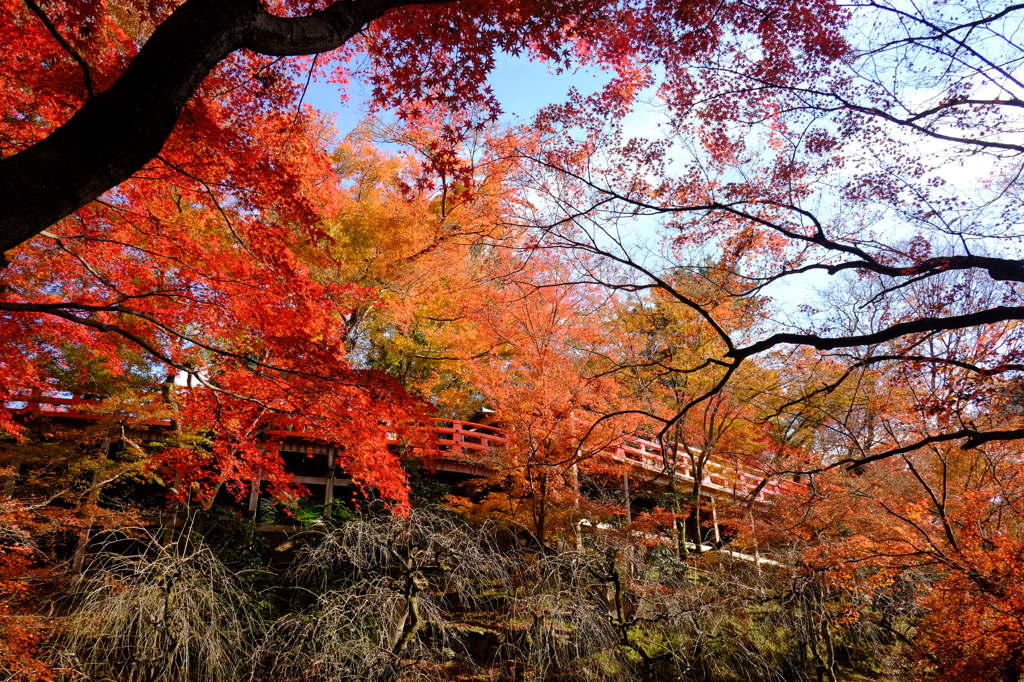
[115, 133]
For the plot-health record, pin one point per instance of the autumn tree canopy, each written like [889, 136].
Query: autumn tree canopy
[108, 96]
[164, 189]
[781, 233]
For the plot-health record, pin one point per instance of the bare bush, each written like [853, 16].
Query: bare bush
[387, 585]
[165, 612]
[618, 612]
[388, 598]
[563, 623]
[352, 634]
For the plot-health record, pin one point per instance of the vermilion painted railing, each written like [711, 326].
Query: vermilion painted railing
[727, 478]
[70, 406]
[463, 440]
[471, 448]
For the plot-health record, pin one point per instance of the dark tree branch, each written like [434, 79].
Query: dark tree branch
[920, 325]
[972, 438]
[116, 132]
[80, 313]
[86, 72]
[1000, 269]
[878, 359]
[928, 359]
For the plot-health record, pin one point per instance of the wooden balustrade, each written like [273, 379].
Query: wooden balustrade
[72, 406]
[471, 446]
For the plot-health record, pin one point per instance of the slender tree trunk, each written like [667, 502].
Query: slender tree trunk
[12, 480]
[540, 510]
[88, 507]
[578, 532]
[409, 624]
[698, 488]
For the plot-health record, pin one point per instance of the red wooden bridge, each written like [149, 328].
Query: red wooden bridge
[465, 446]
[470, 448]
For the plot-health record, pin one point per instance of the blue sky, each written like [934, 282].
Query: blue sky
[522, 87]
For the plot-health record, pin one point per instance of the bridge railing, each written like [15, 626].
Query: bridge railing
[469, 441]
[67, 405]
[730, 478]
[460, 438]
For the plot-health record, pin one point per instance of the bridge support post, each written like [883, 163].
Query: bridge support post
[753, 533]
[629, 499]
[714, 522]
[254, 496]
[575, 474]
[329, 491]
[628, 555]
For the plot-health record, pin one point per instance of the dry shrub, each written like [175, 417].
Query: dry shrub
[564, 626]
[166, 612]
[385, 587]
